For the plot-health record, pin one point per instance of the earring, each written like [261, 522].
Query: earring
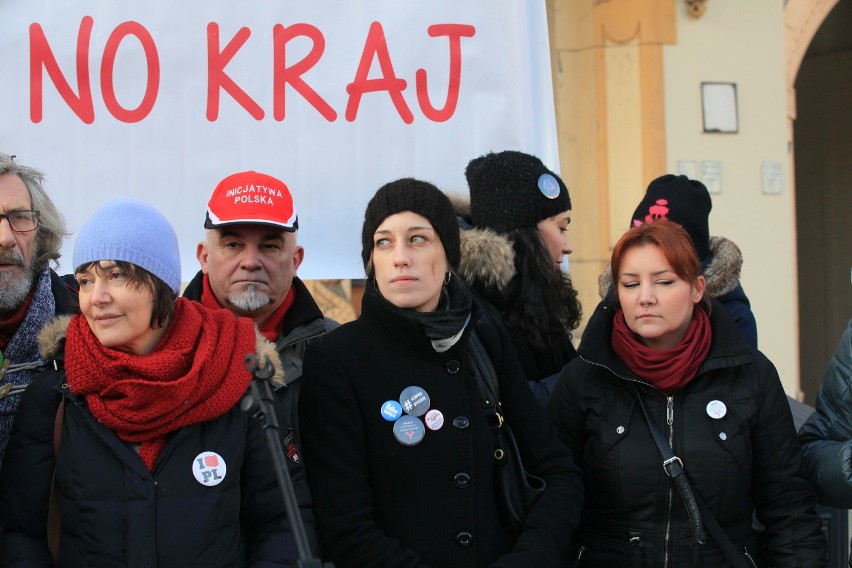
[449, 276]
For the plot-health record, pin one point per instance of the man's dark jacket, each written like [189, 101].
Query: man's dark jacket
[302, 323]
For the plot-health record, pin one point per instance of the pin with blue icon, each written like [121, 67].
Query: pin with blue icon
[391, 410]
[548, 186]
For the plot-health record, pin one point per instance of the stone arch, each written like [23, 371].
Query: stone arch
[802, 19]
[817, 119]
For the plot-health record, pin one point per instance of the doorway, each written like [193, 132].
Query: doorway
[823, 170]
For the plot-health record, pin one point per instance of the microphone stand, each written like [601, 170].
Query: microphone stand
[259, 403]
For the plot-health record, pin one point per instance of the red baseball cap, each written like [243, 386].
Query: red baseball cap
[251, 198]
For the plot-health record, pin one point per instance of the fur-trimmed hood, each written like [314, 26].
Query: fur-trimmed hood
[487, 258]
[722, 274]
[51, 336]
[51, 340]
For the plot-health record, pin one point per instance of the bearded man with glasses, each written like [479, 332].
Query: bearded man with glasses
[31, 293]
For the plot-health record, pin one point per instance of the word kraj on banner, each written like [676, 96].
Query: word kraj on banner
[43, 60]
[161, 101]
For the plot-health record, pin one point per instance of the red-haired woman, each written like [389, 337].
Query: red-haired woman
[658, 352]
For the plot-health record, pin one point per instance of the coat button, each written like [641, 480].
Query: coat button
[464, 539]
[461, 480]
[461, 422]
[453, 366]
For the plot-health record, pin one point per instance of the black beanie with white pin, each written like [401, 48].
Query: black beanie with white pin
[512, 190]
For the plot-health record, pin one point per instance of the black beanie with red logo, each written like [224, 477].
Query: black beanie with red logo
[682, 200]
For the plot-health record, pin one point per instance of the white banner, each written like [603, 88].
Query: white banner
[159, 100]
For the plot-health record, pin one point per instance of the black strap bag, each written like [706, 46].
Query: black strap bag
[517, 489]
[698, 511]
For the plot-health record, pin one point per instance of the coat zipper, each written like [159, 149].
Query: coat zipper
[747, 554]
[670, 422]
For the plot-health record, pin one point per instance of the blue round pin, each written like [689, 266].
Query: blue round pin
[548, 186]
[391, 411]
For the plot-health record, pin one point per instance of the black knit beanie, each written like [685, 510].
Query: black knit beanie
[682, 200]
[421, 197]
[510, 190]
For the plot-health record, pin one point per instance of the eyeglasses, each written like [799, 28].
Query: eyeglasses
[22, 221]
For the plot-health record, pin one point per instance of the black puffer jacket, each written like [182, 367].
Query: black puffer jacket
[827, 435]
[115, 513]
[745, 461]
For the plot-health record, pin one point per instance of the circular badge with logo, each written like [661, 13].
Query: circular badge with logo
[716, 409]
[408, 430]
[414, 401]
[391, 410]
[548, 186]
[434, 419]
[209, 468]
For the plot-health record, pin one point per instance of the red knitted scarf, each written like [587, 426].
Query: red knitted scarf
[666, 369]
[194, 374]
[270, 328]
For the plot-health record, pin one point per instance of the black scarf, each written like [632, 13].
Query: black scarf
[444, 325]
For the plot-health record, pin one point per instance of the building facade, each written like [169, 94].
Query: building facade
[709, 88]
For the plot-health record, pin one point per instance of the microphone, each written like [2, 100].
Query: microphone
[259, 403]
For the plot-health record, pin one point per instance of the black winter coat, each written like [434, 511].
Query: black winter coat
[115, 513]
[22, 349]
[745, 461]
[380, 503]
[827, 435]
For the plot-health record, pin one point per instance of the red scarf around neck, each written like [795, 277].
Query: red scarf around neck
[10, 323]
[194, 374]
[271, 327]
[667, 369]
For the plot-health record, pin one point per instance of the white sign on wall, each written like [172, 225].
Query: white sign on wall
[160, 100]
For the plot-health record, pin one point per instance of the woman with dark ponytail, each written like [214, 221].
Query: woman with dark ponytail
[512, 256]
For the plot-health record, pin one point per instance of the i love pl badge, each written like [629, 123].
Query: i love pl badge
[209, 468]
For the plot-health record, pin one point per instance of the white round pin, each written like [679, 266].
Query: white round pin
[716, 409]
[434, 419]
[209, 468]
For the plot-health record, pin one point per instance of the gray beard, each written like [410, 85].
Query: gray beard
[13, 291]
[249, 300]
